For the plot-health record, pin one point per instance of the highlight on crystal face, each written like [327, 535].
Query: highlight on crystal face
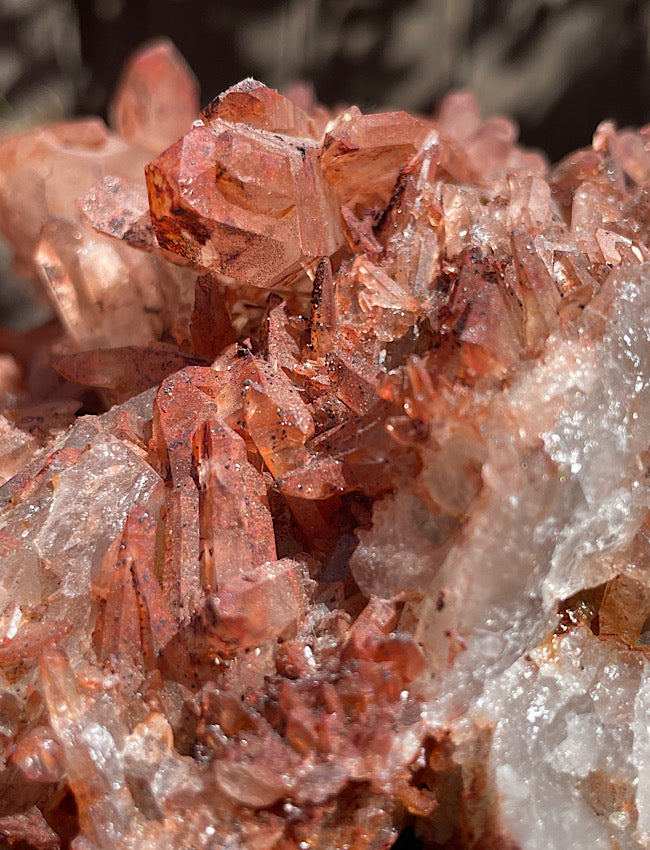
[331, 520]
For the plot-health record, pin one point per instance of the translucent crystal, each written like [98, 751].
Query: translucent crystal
[362, 155]
[253, 103]
[157, 98]
[243, 202]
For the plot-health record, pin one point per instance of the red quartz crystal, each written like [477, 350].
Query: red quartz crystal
[157, 98]
[245, 202]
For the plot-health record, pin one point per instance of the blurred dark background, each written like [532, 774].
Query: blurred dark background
[558, 66]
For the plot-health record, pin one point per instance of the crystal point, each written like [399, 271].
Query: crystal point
[157, 98]
[253, 103]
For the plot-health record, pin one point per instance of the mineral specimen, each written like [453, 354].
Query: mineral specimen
[363, 544]
[248, 203]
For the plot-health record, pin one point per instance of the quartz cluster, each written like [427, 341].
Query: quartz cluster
[362, 544]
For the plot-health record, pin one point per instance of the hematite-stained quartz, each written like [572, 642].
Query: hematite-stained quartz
[364, 543]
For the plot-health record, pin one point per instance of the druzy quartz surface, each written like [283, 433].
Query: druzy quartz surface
[338, 524]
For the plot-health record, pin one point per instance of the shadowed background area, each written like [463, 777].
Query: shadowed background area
[558, 66]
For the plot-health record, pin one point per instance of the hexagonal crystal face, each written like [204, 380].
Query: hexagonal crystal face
[246, 203]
